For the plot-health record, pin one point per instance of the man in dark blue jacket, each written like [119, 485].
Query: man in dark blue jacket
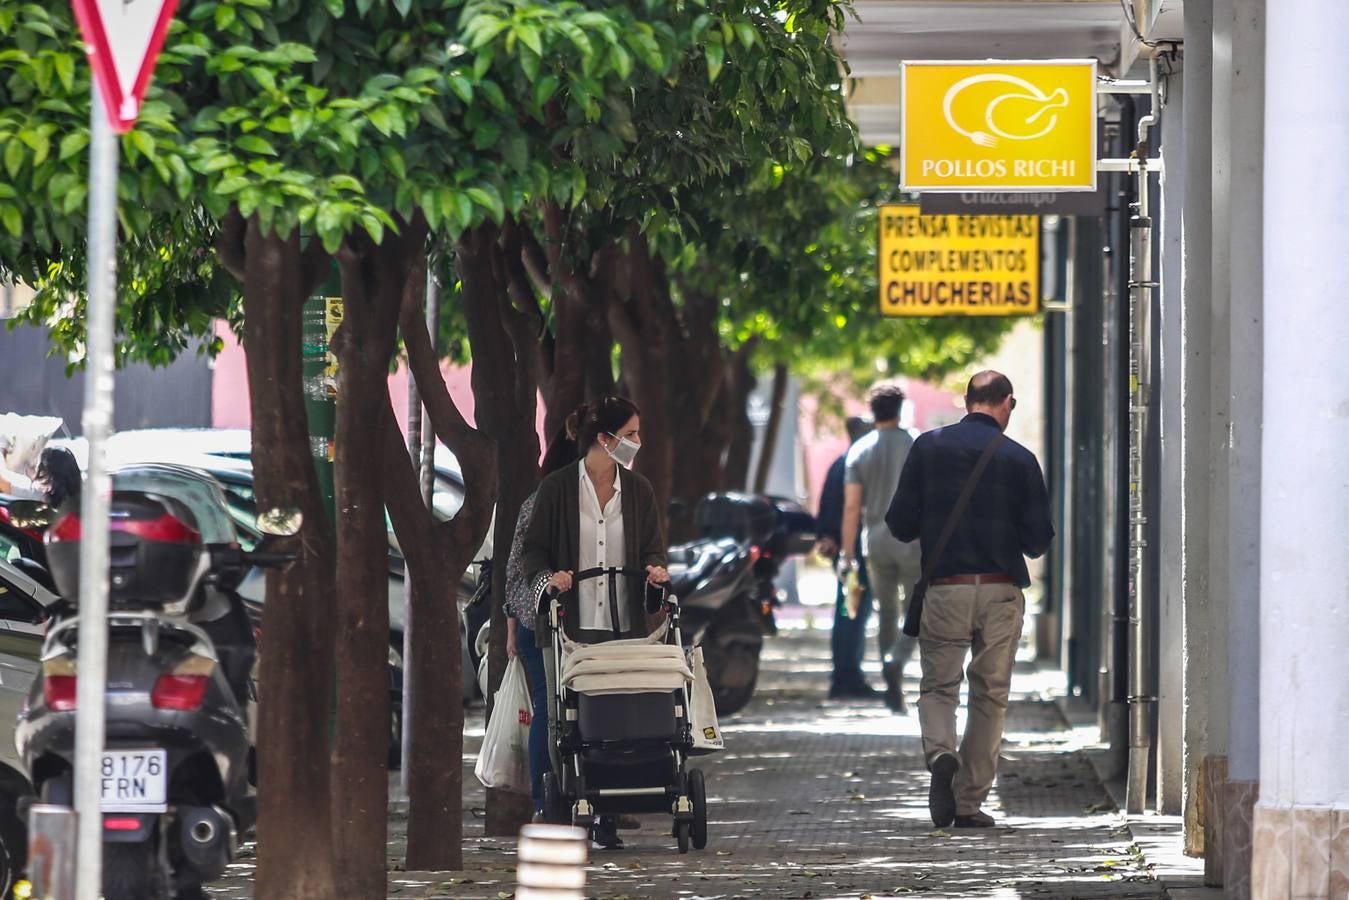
[974, 602]
[847, 641]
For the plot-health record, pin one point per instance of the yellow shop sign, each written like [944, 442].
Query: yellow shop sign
[998, 126]
[958, 265]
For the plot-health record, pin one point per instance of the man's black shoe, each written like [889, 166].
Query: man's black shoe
[978, 819]
[941, 799]
[894, 696]
[861, 691]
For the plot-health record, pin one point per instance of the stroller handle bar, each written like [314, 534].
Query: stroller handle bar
[666, 598]
[600, 571]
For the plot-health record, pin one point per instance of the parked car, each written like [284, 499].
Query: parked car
[227, 455]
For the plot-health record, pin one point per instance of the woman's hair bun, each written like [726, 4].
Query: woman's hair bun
[576, 421]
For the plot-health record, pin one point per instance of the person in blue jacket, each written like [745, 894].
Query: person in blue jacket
[847, 641]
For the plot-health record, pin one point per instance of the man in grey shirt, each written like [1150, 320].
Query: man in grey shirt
[870, 480]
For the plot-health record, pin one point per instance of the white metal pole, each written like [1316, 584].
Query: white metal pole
[428, 472]
[94, 500]
[416, 450]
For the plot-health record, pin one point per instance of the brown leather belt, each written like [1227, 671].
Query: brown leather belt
[994, 578]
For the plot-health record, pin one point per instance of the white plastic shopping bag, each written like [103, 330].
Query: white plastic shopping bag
[707, 737]
[503, 762]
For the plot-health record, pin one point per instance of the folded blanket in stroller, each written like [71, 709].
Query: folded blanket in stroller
[624, 667]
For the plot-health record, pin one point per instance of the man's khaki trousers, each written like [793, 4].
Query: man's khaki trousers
[984, 620]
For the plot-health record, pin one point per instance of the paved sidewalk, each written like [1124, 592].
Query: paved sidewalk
[814, 799]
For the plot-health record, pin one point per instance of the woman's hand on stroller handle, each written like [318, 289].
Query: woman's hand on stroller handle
[560, 582]
[656, 578]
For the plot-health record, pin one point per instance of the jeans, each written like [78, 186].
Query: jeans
[538, 723]
[848, 638]
[891, 581]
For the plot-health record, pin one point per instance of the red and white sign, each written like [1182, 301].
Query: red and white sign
[124, 39]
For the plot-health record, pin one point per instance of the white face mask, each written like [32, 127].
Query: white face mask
[625, 452]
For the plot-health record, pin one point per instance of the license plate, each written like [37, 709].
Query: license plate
[135, 781]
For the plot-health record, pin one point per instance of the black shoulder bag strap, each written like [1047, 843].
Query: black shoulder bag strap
[913, 613]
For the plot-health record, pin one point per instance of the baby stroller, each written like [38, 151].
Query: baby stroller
[623, 733]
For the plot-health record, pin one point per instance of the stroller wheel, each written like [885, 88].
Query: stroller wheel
[698, 796]
[682, 830]
[554, 811]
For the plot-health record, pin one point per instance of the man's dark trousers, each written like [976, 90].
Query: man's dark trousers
[848, 638]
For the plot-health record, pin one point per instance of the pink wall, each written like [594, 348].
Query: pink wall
[823, 442]
[229, 402]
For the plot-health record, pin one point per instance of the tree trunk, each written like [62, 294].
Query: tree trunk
[599, 356]
[295, 842]
[504, 392]
[373, 279]
[571, 301]
[643, 317]
[770, 437]
[437, 556]
[739, 384]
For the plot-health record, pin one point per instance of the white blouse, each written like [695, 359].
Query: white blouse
[601, 547]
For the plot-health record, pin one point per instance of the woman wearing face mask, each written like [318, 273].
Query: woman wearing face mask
[595, 513]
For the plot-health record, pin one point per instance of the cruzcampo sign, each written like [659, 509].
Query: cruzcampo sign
[998, 126]
[956, 265]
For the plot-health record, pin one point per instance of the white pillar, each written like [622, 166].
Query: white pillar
[1302, 818]
[1167, 398]
[1196, 377]
[1220, 410]
[1246, 330]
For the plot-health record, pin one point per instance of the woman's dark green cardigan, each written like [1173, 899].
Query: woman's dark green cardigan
[553, 542]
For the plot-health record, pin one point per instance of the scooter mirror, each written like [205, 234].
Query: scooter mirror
[281, 522]
[30, 514]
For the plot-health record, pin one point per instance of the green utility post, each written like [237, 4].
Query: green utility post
[322, 315]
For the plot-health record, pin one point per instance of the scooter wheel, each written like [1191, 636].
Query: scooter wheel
[127, 872]
[698, 797]
[554, 810]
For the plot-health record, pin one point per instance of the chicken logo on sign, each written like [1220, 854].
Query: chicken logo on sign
[998, 126]
[1022, 110]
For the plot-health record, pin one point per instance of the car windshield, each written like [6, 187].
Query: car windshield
[198, 491]
[447, 498]
[243, 509]
[9, 546]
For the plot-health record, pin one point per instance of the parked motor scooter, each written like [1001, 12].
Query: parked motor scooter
[714, 581]
[178, 770]
[792, 535]
[726, 584]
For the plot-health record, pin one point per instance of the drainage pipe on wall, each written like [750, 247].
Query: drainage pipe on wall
[1141, 288]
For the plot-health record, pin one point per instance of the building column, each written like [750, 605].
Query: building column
[1167, 398]
[1214, 776]
[1196, 378]
[1302, 817]
[1246, 211]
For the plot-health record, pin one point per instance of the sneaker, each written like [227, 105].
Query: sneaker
[976, 819]
[604, 836]
[941, 798]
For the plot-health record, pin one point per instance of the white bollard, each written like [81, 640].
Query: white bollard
[552, 863]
